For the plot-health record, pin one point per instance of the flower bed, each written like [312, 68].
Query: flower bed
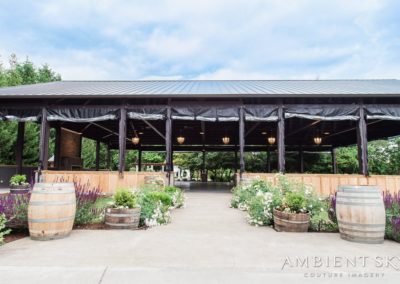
[155, 203]
[260, 198]
[392, 206]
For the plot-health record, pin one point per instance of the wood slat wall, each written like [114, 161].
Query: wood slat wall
[327, 184]
[107, 181]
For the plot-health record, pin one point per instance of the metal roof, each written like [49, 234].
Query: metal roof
[207, 88]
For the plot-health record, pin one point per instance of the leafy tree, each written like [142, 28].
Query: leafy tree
[19, 74]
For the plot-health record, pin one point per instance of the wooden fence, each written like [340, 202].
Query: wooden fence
[326, 184]
[107, 181]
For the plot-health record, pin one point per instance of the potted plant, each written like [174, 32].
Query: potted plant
[18, 184]
[124, 212]
[293, 214]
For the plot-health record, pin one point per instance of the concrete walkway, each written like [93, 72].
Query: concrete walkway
[207, 242]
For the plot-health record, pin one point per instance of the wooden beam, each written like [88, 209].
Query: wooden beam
[122, 140]
[203, 165]
[281, 139]
[362, 143]
[203, 129]
[301, 160]
[97, 155]
[252, 128]
[241, 142]
[236, 160]
[19, 150]
[303, 128]
[108, 162]
[334, 162]
[57, 148]
[168, 144]
[44, 141]
[140, 160]
[154, 128]
[351, 129]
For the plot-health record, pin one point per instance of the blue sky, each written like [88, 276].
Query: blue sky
[208, 39]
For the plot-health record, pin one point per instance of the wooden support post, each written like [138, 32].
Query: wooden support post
[334, 162]
[139, 159]
[203, 165]
[281, 139]
[108, 157]
[19, 151]
[122, 140]
[268, 159]
[97, 155]
[44, 141]
[362, 142]
[168, 145]
[301, 160]
[236, 161]
[57, 149]
[241, 142]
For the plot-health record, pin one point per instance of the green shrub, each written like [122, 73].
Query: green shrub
[242, 194]
[176, 194]
[259, 211]
[3, 230]
[261, 197]
[84, 214]
[295, 202]
[124, 198]
[163, 197]
[18, 180]
[322, 220]
[154, 208]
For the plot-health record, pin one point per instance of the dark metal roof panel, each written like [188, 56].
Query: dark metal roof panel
[207, 88]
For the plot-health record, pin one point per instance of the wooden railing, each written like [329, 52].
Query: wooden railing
[326, 184]
[107, 181]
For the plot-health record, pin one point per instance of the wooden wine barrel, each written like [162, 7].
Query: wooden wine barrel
[361, 214]
[117, 218]
[291, 222]
[51, 211]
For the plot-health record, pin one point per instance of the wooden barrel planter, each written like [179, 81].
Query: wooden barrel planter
[122, 218]
[51, 211]
[19, 189]
[291, 222]
[361, 214]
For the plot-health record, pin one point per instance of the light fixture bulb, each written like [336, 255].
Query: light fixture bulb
[271, 140]
[180, 139]
[135, 140]
[226, 140]
[318, 140]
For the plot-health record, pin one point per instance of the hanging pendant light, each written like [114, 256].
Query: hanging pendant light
[318, 140]
[271, 140]
[180, 139]
[135, 140]
[226, 140]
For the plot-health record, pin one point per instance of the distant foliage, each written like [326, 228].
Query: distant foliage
[22, 73]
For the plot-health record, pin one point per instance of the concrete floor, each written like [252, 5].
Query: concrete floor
[207, 242]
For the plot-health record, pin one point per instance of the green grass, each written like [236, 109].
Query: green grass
[102, 202]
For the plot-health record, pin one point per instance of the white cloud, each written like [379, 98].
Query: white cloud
[208, 39]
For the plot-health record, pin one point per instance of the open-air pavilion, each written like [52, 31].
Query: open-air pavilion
[233, 116]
